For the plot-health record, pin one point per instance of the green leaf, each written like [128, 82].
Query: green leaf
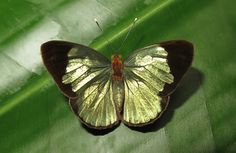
[34, 115]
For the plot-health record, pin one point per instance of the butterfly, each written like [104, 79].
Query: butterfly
[103, 92]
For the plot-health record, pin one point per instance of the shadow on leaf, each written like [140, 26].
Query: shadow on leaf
[99, 132]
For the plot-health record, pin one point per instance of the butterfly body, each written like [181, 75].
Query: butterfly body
[117, 67]
[103, 92]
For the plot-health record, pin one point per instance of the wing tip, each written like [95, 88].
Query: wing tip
[186, 45]
[180, 58]
[54, 58]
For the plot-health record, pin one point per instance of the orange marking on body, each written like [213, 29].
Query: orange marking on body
[117, 67]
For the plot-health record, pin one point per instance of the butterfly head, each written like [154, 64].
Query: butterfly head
[116, 57]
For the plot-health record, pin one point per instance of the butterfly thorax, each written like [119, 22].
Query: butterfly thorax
[117, 67]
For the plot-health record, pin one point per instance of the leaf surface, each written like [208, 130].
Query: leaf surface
[34, 115]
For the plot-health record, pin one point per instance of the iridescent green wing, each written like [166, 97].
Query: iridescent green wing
[151, 74]
[84, 76]
[95, 105]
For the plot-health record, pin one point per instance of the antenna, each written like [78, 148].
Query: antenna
[130, 29]
[108, 42]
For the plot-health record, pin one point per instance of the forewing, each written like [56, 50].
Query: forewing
[71, 63]
[178, 56]
[151, 75]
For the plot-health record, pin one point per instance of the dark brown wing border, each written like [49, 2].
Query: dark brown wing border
[180, 57]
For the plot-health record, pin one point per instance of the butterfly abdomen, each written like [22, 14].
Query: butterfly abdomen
[117, 67]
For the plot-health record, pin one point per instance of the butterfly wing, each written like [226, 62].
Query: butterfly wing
[84, 76]
[95, 104]
[151, 75]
